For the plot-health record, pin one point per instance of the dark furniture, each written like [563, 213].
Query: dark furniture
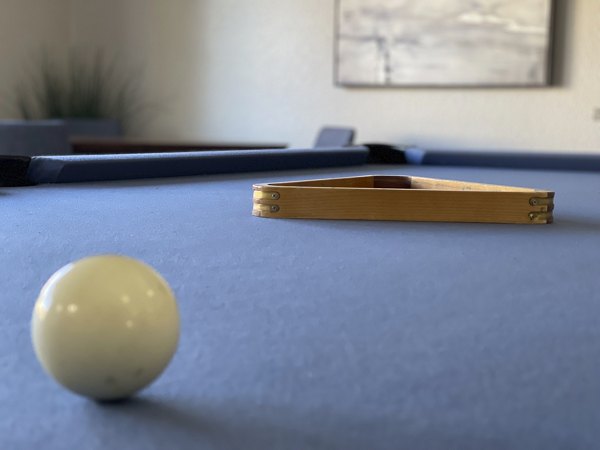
[127, 145]
[313, 334]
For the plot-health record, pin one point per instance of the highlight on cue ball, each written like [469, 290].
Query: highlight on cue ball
[105, 326]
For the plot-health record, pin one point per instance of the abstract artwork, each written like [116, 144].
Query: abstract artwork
[443, 42]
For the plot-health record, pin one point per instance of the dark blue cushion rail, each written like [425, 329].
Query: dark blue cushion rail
[83, 168]
[515, 160]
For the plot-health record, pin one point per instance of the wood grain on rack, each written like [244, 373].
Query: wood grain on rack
[403, 198]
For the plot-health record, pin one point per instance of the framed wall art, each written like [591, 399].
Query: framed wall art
[443, 42]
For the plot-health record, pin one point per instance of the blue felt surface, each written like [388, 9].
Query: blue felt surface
[321, 334]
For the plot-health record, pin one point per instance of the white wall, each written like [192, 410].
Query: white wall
[165, 39]
[262, 70]
[28, 27]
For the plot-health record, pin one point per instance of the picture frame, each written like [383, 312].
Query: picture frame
[443, 43]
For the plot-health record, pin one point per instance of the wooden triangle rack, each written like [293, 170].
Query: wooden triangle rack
[403, 198]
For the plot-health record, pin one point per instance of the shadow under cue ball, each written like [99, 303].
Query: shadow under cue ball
[105, 326]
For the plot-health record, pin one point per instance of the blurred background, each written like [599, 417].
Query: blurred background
[263, 70]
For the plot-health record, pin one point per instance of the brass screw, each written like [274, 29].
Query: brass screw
[274, 208]
[275, 195]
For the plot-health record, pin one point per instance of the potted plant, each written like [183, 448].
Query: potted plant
[88, 94]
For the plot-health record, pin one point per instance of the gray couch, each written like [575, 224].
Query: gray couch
[50, 137]
[33, 137]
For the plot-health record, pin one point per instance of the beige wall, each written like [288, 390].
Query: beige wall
[262, 70]
[27, 27]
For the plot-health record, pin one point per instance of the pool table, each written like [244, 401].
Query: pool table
[317, 334]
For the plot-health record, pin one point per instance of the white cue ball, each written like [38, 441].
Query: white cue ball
[105, 326]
